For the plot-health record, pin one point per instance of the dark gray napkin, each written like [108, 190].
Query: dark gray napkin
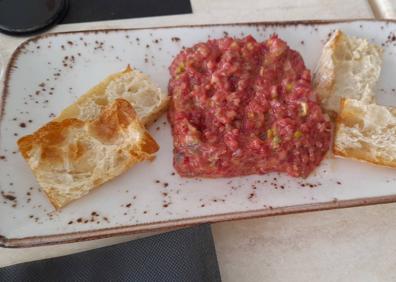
[183, 255]
[103, 10]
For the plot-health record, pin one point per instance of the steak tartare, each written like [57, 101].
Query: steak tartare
[241, 107]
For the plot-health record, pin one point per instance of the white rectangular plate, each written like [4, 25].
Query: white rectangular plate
[49, 72]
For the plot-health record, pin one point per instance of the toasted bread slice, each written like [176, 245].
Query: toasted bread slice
[136, 87]
[348, 67]
[71, 157]
[366, 132]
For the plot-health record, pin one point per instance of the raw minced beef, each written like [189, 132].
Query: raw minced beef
[241, 107]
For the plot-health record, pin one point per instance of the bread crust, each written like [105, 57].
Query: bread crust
[99, 96]
[348, 67]
[71, 157]
[357, 140]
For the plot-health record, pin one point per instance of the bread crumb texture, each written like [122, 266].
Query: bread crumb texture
[131, 85]
[348, 67]
[366, 132]
[71, 156]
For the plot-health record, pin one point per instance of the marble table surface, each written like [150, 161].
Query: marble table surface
[356, 244]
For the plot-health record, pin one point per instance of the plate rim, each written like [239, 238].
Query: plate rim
[87, 235]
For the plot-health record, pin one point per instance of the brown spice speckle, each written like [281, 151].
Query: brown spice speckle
[8, 197]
